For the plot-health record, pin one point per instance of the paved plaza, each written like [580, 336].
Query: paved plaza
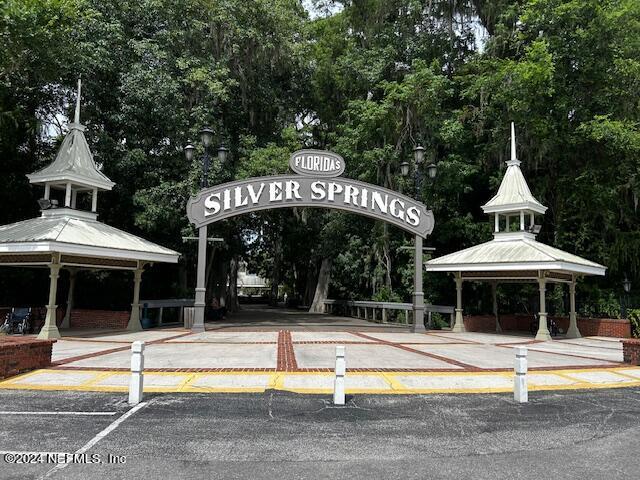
[266, 349]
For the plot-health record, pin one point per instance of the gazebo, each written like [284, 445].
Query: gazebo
[71, 238]
[514, 255]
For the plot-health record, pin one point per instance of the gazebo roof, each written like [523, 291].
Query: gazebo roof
[74, 161]
[514, 252]
[514, 193]
[80, 238]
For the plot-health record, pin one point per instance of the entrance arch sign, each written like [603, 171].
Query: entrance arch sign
[264, 193]
[316, 185]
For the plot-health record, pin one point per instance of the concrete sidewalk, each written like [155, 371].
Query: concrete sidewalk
[383, 361]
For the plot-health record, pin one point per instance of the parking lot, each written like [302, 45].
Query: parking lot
[571, 434]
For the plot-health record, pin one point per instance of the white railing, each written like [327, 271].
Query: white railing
[161, 305]
[379, 311]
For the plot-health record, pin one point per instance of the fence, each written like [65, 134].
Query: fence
[379, 311]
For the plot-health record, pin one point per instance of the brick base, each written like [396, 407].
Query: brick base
[99, 319]
[631, 351]
[23, 354]
[603, 327]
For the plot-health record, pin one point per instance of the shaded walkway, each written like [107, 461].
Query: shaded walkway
[258, 317]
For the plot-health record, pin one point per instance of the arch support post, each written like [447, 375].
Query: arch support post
[458, 326]
[201, 288]
[418, 294]
[50, 329]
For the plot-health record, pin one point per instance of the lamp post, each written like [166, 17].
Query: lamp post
[418, 294]
[206, 136]
[626, 286]
[419, 158]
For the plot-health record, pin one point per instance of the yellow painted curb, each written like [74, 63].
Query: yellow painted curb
[276, 381]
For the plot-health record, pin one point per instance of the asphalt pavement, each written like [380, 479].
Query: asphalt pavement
[279, 435]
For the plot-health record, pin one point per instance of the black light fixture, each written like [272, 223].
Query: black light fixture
[535, 229]
[626, 284]
[418, 154]
[206, 135]
[432, 170]
[223, 153]
[404, 169]
[189, 150]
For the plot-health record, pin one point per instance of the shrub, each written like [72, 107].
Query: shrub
[634, 319]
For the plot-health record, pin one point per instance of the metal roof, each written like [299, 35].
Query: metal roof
[514, 193]
[74, 162]
[72, 234]
[514, 251]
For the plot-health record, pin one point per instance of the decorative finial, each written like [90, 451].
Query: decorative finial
[514, 159]
[513, 142]
[76, 118]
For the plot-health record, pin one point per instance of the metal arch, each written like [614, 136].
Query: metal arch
[200, 215]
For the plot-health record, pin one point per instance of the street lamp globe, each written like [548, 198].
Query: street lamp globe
[206, 135]
[189, 151]
[404, 169]
[626, 284]
[432, 170]
[418, 154]
[223, 153]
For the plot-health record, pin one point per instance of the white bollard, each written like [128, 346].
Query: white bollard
[137, 368]
[341, 368]
[520, 391]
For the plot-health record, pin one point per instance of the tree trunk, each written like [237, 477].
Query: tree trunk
[275, 273]
[322, 288]
[311, 283]
[232, 291]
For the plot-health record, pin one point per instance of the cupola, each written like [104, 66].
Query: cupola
[73, 171]
[514, 200]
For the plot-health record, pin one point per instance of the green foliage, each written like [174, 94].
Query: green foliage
[369, 80]
[634, 319]
[386, 295]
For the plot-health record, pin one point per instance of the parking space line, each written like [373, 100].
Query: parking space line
[99, 436]
[8, 412]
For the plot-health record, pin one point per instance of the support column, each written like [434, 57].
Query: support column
[496, 223]
[201, 286]
[522, 220]
[458, 326]
[494, 291]
[134, 319]
[50, 329]
[94, 200]
[543, 332]
[67, 196]
[573, 331]
[418, 294]
[66, 323]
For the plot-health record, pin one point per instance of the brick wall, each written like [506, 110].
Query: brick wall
[631, 351]
[22, 354]
[82, 318]
[604, 327]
